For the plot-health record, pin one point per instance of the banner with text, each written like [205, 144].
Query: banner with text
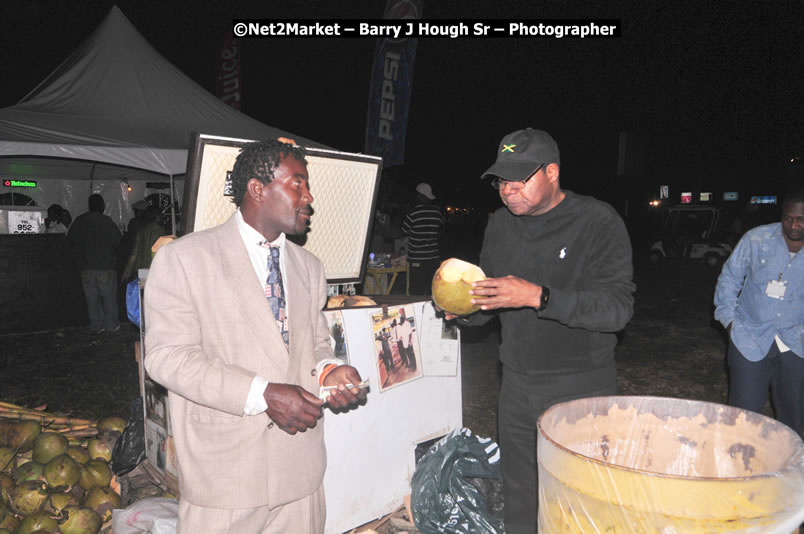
[391, 83]
[228, 86]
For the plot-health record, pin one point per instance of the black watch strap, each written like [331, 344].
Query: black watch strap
[545, 298]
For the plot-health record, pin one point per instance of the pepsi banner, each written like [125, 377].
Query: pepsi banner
[391, 83]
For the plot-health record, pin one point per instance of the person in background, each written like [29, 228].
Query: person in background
[424, 225]
[759, 299]
[141, 255]
[560, 280]
[54, 223]
[94, 239]
[65, 218]
[237, 336]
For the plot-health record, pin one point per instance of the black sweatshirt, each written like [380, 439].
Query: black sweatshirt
[579, 249]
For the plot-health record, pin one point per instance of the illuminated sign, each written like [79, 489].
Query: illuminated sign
[706, 197]
[19, 183]
[664, 191]
[765, 199]
[730, 195]
[686, 198]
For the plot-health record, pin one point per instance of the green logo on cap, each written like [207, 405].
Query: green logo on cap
[508, 148]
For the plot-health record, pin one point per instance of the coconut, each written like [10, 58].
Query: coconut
[79, 454]
[29, 471]
[336, 301]
[95, 473]
[451, 285]
[6, 485]
[79, 520]
[101, 447]
[358, 300]
[103, 501]
[57, 501]
[5, 426]
[62, 472]
[112, 423]
[48, 445]
[7, 456]
[10, 522]
[28, 497]
[38, 522]
[22, 434]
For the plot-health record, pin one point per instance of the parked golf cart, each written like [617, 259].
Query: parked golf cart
[696, 232]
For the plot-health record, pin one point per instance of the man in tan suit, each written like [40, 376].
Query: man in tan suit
[243, 356]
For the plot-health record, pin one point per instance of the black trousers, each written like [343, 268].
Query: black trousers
[522, 401]
[421, 276]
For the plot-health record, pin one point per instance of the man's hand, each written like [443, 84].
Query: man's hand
[344, 397]
[447, 315]
[506, 292]
[291, 407]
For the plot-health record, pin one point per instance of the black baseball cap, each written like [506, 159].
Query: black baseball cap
[522, 152]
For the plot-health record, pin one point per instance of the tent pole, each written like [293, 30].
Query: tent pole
[172, 208]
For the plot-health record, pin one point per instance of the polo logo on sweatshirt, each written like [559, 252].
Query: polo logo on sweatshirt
[563, 253]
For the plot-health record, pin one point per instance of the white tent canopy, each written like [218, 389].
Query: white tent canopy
[116, 100]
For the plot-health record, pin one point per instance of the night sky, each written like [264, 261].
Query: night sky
[714, 88]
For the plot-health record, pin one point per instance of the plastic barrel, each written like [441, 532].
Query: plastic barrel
[620, 465]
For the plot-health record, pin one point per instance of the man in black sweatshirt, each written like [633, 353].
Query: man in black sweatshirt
[560, 279]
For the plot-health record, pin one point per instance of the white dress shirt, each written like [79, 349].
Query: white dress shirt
[258, 254]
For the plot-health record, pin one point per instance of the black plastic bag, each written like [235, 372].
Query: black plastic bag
[443, 498]
[129, 450]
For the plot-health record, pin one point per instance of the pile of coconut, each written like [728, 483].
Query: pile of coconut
[55, 475]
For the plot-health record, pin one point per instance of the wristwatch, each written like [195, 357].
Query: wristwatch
[545, 298]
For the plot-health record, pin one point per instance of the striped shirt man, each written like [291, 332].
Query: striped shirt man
[423, 225]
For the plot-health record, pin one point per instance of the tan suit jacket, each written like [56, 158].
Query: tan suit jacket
[209, 331]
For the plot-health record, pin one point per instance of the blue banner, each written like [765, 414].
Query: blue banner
[391, 83]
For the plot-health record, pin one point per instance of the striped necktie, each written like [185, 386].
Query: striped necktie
[275, 292]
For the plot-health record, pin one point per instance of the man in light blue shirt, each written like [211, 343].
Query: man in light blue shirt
[760, 301]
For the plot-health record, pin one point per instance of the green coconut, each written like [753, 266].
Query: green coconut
[111, 422]
[48, 445]
[6, 485]
[28, 497]
[22, 434]
[57, 501]
[79, 454]
[10, 522]
[62, 472]
[29, 471]
[103, 500]
[38, 522]
[99, 449]
[95, 473]
[79, 520]
[7, 456]
[5, 426]
[451, 284]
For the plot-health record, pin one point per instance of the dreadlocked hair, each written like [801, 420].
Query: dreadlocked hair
[259, 160]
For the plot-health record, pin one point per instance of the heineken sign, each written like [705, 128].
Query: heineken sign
[19, 183]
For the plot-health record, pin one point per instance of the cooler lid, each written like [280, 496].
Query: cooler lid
[345, 187]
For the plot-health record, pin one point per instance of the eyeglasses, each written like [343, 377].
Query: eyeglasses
[514, 185]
